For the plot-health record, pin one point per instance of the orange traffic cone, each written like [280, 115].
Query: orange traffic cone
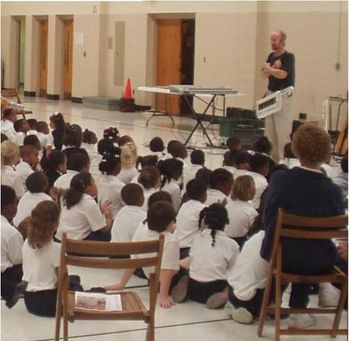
[127, 92]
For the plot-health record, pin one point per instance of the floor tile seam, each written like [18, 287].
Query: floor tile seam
[141, 329]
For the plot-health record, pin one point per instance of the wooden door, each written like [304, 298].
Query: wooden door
[68, 59]
[44, 26]
[169, 62]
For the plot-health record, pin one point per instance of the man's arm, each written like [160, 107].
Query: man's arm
[269, 70]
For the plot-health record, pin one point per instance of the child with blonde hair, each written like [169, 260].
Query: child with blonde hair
[10, 156]
[240, 209]
[128, 158]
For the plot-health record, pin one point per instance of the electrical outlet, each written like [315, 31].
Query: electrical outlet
[337, 66]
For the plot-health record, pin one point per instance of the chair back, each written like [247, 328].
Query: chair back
[300, 227]
[11, 95]
[96, 254]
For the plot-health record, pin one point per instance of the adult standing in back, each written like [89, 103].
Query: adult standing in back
[279, 68]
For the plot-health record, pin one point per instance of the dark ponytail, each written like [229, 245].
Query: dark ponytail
[77, 188]
[51, 162]
[170, 168]
[110, 163]
[215, 217]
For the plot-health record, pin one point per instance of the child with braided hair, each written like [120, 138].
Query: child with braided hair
[212, 256]
[108, 185]
[171, 170]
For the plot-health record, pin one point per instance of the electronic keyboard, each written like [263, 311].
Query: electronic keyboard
[273, 103]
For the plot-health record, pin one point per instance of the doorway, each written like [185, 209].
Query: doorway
[43, 28]
[21, 49]
[67, 59]
[175, 61]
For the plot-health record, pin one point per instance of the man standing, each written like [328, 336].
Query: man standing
[280, 70]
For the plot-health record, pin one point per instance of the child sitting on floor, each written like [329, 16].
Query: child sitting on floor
[188, 216]
[55, 137]
[161, 219]
[11, 249]
[197, 162]
[156, 146]
[247, 281]
[22, 127]
[41, 260]
[128, 158]
[37, 184]
[171, 170]
[81, 217]
[212, 256]
[129, 217]
[149, 179]
[29, 161]
[10, 156]
[54, 166]
[108, 184]
[240, 209]
[220, 186]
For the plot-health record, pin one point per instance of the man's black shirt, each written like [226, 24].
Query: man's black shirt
[288, 64]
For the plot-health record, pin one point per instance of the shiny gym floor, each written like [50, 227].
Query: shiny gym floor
[186, 321]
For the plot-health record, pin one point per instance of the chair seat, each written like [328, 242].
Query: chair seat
[334, 276]
[133, 309]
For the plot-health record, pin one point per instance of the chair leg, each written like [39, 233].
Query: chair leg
[150, 330]
[58, 316]
[340, 308]
[278, 302]
[65, 325]
[58, 325]
[265, 302]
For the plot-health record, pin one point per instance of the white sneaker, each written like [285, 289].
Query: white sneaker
[301, 321]
[328, 295]
[239, 315]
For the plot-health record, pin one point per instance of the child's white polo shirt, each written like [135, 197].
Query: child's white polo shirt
[250, 271]
[171, 251]
[187, 222]
[24, 170]
[109, 188]
[210, 263]
[40, 266]
[64, 180]
[126, 222]
[174, 190]
[11, 245]
[27, 203]
[215, 196]
[81, 219]
[260, 185]
[10, 177]
[241, 215]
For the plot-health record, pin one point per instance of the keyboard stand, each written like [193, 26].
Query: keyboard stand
[199, 119]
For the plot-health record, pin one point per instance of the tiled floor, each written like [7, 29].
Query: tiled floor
[187, 321]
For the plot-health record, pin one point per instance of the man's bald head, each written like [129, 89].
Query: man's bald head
[278, 39]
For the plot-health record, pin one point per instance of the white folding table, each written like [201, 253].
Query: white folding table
[192, 91]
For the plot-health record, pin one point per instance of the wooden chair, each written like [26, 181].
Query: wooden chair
[13, 96]
[292, 226]
[92, 254]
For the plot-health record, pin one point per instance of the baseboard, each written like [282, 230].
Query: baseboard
[29, 93]
[53, 97]
[77, 99]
